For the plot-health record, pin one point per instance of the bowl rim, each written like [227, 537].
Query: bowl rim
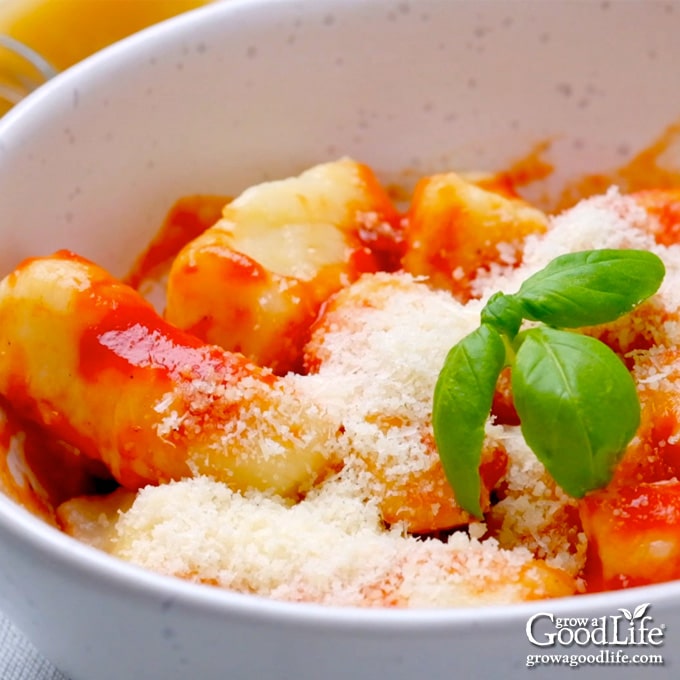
[82, 561]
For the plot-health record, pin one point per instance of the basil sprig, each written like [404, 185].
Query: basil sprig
[576, 401]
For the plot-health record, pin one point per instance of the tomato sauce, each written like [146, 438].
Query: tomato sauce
[189, 217]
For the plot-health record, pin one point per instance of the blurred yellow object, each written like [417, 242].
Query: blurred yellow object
[21, 71]
[66, 31]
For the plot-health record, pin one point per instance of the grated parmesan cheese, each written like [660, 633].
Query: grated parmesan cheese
[330, 548]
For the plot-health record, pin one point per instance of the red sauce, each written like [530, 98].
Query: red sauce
[645, 170]
[664, 204]
[189, 217]
[120, 330]
[529, 168]
[46, 471]
[234, 267]
[633, 533]
[133, 340]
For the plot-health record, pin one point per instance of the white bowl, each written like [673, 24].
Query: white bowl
[241, 91]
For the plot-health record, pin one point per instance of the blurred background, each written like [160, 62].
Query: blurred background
[62, 32]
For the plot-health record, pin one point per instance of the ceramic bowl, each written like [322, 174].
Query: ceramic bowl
[243, 91]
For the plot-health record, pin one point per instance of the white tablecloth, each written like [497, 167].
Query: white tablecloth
[19, 660]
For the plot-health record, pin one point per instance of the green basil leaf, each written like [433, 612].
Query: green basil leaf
[577, 404]
[590, 287]
[461, 406]
[503, 313]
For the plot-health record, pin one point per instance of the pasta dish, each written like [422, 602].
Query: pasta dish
[267, 428]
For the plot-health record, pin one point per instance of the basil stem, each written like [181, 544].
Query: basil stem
[590, 287]
[577, 404]
[462, 401]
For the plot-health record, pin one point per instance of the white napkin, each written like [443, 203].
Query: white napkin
[19, 659]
